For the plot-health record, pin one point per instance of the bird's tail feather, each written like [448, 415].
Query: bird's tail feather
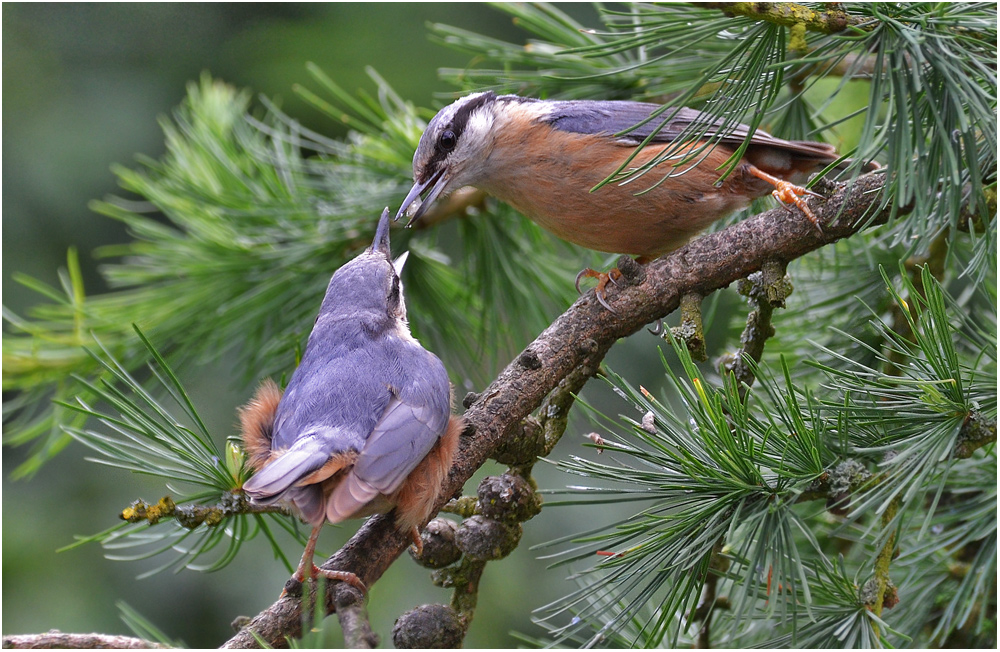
[257, 423]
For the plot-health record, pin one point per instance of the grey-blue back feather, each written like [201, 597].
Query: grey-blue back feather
[611, 117]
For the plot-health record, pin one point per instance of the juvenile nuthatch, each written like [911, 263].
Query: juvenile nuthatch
[544, 157]
[365, 424]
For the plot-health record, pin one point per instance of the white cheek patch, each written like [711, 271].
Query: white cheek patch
[479, 127]
[469, 163]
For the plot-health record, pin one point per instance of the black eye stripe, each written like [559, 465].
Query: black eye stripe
[457, 125]
[461, 119]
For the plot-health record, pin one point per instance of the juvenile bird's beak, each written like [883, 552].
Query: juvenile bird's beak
[436, 184]
[399, 262]
[381, 241]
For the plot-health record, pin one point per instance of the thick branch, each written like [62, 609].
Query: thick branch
[581, 337]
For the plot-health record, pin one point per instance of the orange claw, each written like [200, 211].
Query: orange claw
[603, 279]
[788, 193]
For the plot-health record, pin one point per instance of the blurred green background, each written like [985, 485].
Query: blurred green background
[84, 85]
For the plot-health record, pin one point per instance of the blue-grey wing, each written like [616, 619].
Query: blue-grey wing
[611, 117]
[413, 422]
[332, 402]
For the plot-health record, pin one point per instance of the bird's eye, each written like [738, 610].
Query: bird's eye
[394, 292]
[447, 140]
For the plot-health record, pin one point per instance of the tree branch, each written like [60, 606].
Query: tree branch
[766, 290]
[353, 617]
[581, 337]
[191, 515]
[792, 13]
[54, 639]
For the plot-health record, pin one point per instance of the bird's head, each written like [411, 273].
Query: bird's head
[368, 287]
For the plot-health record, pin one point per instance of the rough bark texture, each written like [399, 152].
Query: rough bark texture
[55, 639]
[581, 337]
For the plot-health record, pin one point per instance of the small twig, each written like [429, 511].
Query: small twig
[709, 598]
[935, 259]
[353, 617]
[767, 290]
[465, 581]
[54, 639]
[837, 484]
[192, 515]
[977, 431]
[691, 330]
[464, 506]
[793, 13]
[554, 412]
[885, 559]
[504, 502]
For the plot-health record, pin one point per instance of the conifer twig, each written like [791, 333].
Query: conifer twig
[54, 639]
[791, 13]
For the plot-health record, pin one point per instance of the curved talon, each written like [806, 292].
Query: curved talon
[658, 329]
[787, 193]
[598, 292]
[307, 562]
[603, 279]
[583, 272]
[340, 576]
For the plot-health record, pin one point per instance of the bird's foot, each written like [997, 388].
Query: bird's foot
[418, 543]
[787, 192]
[343, 576]
[294, 585]
[603, 278]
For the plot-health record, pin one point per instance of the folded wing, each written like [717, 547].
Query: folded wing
[411, 425]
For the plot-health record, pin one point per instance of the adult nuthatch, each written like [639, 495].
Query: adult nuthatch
[365, 423]
[544, 157]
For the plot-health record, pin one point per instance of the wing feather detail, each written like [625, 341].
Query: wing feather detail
[611, 117]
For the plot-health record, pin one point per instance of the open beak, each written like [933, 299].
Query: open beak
[381, 241]
[436, 185]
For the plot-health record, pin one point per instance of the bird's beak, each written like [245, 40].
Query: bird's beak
[381, 241]
[436, 184]
[399, 262]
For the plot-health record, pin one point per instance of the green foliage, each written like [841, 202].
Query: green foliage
[730, 484]
[144, 628]
[141, 435]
